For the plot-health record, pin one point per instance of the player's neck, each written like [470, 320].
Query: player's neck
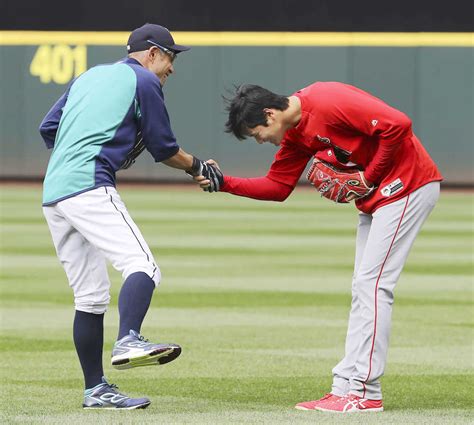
[293, 112]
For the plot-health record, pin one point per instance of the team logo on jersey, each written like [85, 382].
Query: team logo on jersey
[392, 188]
[341, 155]
[374, 123]
[325, 140]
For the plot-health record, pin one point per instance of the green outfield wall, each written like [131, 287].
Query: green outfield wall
[429, 76]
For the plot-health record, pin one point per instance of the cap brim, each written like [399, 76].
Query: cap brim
[179, 48]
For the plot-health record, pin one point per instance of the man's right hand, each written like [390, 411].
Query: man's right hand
[206, 173]
[211, 178]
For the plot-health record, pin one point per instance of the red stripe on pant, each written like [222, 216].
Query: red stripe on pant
[376, 289]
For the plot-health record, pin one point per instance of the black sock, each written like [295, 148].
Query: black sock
[88, 332]
[134, 300]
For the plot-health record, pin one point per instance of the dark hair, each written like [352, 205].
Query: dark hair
[246, 108]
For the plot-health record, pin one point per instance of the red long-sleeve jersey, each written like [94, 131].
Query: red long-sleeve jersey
[359, 129]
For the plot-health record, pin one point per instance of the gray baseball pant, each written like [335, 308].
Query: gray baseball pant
[384, 240]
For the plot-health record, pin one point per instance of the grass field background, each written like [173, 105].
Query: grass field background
[258, 295]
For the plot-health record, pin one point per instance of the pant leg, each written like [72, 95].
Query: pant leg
[85, 266]
[103, 220]
[392, 233]
[344, 369]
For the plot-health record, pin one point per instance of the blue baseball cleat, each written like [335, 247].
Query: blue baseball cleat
[133, 351]
[106, 396]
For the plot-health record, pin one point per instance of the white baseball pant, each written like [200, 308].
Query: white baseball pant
[384, 240]
[88, 229]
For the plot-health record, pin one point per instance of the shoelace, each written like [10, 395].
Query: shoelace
[352, 399]
[114, 388]
[142, 338]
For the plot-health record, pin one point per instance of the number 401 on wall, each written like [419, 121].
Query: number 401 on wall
[59, 63]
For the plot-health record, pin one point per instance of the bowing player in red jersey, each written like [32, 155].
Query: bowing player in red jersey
[346, 129]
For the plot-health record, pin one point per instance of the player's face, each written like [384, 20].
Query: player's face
[273, 132]
[162, 64]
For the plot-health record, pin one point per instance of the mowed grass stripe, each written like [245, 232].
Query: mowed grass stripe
[227, 299]
[243, 267]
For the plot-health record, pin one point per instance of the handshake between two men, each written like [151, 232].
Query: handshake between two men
[207, 174]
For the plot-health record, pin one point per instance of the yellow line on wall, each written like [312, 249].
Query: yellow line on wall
[224, 38]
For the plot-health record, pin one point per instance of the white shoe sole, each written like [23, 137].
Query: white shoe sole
[150, 358]
[374, 410]
[140, 406]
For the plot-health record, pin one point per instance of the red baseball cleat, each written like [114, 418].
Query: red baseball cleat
[313, 405]
[352, 404]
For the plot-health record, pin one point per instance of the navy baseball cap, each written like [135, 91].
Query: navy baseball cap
[144, 37]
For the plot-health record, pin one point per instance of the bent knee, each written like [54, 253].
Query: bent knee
[90, 306]
[152, 270]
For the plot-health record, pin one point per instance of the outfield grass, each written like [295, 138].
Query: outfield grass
[258, 296]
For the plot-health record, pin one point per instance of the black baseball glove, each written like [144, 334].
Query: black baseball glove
[210, 172]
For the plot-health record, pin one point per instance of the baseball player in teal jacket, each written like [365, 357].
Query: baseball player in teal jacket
[104, 120]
